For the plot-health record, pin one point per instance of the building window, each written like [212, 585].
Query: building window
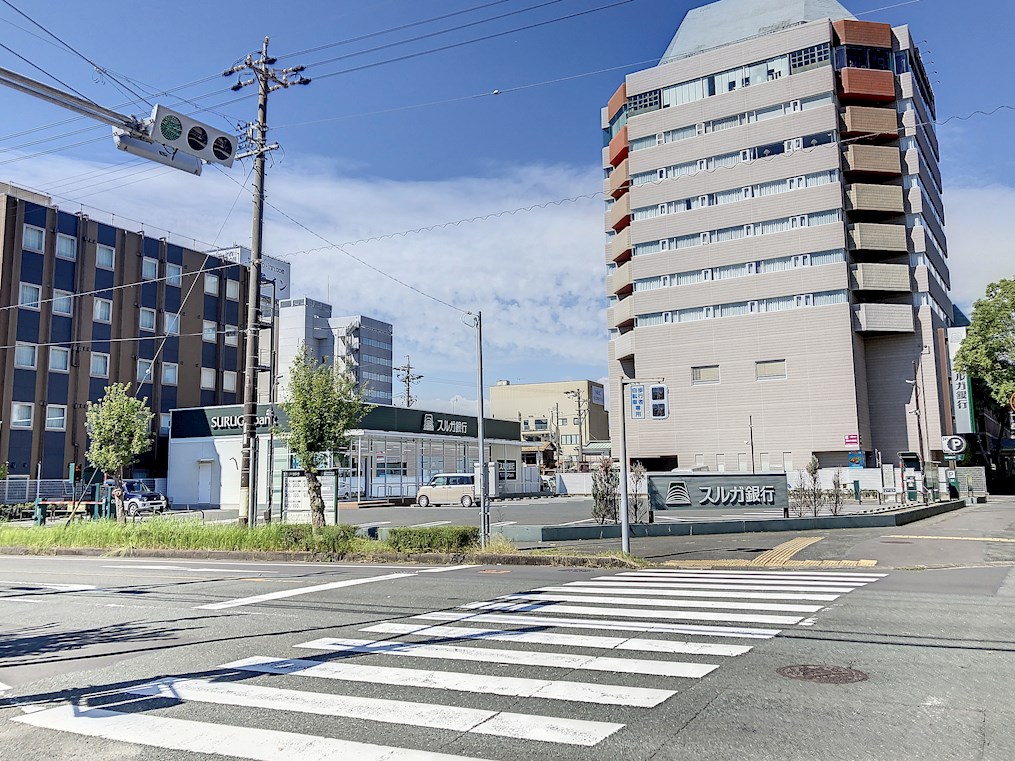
[30, 296]
[208, 378]
[210, 332]
[99, 365]
[562, 421]
[229, 381]
[66, 247]
[577, 421]
[146, 321]
[165, 422]
[33, 238]
[56, 417]
[149, 268]
[232, 335]
[25, 356]
[569, 439]
[211, 284]
[21, 415]
[59, 359]
[170, 372]
[103, 311]
[770, 369]
[233, 290]
[63, 303]
[105, 257]
[174, 275]
[144, 370]
[704, 374]
[172, 322]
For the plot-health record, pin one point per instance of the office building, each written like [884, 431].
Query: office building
[567, 414]
[362, 344]
[776, 260]
[84, 304]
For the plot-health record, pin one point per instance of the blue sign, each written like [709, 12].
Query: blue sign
[637, 401]
[856, 459]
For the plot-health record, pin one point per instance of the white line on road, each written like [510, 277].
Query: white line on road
[35, 586]
[768, 574]
[614, 612]
[216, 739]
[513, 657]
[375, 524]
[300, 591]
[245, 571]
[665, 603]
[600, 624]
[5, 687]
[641, 589]
[511, 686]
[503, 523]
[759, 586]
[744, 579]
[564, 640]
[445, 569]
[431, 524]
[577, 523]
[476, 721]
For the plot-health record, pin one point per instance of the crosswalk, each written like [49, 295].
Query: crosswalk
[566, 665]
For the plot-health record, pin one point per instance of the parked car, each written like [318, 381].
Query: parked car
[448, 489]
[139, 498]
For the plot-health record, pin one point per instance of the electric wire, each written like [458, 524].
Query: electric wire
[51, 76]
[125, 339]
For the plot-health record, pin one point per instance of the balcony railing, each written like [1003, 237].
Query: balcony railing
[620, 180]
[880, 160]
[867, 120]
[871, 236]
[866, 85]
[619, 215]
[872, 276]
[883, 318]
[886, 199]
[619, 248]
[619, 282]
[621, 314]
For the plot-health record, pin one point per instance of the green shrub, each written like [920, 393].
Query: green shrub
[433, 539]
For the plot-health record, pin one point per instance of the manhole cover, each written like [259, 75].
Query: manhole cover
[823, 674]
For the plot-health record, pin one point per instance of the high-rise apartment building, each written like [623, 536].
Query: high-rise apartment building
[361, 344]
[776, 257]
[84, 304]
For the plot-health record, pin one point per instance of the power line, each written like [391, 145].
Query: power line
[125, 339]
[51, 76]
[408, 377]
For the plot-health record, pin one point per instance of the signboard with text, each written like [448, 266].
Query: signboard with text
[637, 401]
[677, 491]
[851, 440]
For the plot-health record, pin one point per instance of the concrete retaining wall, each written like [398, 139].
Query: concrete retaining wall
[530, 534]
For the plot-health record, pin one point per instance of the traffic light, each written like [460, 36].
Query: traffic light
[659, 405]
[176, 130]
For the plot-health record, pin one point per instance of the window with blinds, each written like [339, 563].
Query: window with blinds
[704, 374]
[770, 369]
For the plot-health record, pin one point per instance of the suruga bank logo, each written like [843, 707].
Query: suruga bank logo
[428, 425]
[676, 495]
[433, 424]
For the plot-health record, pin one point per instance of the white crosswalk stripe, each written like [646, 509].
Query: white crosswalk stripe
[684, 623]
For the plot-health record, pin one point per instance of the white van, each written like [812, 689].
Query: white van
[448, 489]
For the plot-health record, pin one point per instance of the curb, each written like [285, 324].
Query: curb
[428, 558]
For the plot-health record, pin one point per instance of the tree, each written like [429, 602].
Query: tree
[119, 431]
[808, 494]
[323, 405]
[638, 471]
[605, 497]
[837, 496]
[988, 350]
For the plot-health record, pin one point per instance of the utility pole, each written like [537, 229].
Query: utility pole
[407, 377]
[268, 80]
[484, 505]
[576, 394]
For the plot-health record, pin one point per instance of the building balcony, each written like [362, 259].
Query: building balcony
[875, 160]
[623, 346]
[620, 282]
[872, 236]
[867, 33]
[619, 215]
[870, 276]
[868, 120]
[621, 314]
[618, 147]
[866, 86]
[619, 248]
[877, 199]
[883, 318]
[620, 180]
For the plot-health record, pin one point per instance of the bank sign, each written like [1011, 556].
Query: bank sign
[677, 491]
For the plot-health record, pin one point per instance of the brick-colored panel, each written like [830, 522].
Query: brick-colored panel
[873, 159]
[618, 147]
[619, 248]
[620, 180]
[867, 120]
[866, 85]
[617, 101]
[619, 215]
[867, 33]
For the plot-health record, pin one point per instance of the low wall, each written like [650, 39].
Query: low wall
[612, 531]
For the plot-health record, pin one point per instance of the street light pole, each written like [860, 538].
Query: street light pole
[625, 519]
[750, 424]
[484, 505]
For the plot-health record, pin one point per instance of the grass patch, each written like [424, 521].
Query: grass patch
[433, 539]
[572, 554]
[176, 534]
[500, 545]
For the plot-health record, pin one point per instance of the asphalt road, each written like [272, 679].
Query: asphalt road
[110, 658]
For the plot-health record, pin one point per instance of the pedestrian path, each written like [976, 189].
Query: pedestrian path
[567, 665]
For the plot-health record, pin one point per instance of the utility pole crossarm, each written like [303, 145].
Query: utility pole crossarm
[407, 377]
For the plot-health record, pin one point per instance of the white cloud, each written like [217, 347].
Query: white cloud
[980, 244]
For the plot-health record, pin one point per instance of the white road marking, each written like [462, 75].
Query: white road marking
[216, 739]
[577, 523]
[300, 591]
[513, 657]
[375, 524]
[837, 575]
[502, 724]
[603, 694]
[5, 687]
[600, 624]
[698, 604]
[565, 640]
[22, 599]
[36, 585]
[445, 569]
[431, 524]
[582, 610]
[742, 580]
[759, 586]
[503, 523]
[246, 571]
[641, 589]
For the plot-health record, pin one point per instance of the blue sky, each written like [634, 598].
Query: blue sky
[363, 158]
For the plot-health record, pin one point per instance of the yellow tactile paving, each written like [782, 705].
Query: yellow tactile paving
[779, 556]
